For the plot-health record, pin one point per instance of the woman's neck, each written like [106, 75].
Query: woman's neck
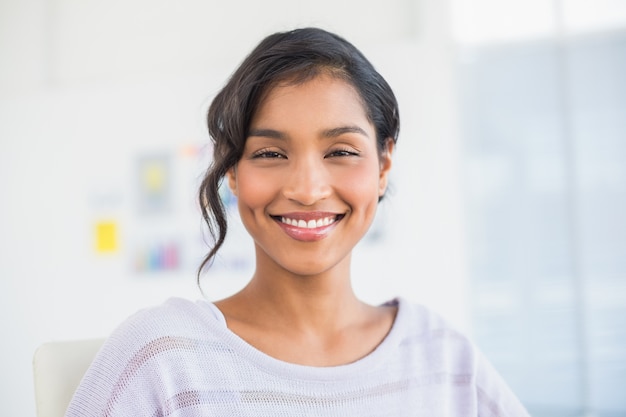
[312, 320]
[318, 303]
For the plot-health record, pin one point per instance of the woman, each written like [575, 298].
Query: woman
[303, 133]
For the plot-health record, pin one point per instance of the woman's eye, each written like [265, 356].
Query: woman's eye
[264, 154]
[342, 152]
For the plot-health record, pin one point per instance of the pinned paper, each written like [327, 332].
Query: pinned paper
[106, 237]
[154, 183]
[155, 257]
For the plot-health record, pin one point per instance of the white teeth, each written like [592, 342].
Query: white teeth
[311, 224]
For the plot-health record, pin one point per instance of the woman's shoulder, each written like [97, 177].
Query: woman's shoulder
[428, 338]
[422, 331]
[142, 352]
[173, 328]
[174, 308]
[422, 321]
[175, 316]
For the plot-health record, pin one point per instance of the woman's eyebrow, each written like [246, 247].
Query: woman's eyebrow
[338, 131]
[327, 133]
[267, 133]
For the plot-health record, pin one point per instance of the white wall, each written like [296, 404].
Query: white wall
[85, 86]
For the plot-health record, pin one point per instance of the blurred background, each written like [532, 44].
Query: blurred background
[508, 201]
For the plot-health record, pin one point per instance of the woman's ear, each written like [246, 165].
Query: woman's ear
[385, 166]
[232, 180]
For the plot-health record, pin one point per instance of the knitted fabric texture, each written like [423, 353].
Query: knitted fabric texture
[180, 360]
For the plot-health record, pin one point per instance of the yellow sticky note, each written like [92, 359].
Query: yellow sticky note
[106, 237]
[154, 177]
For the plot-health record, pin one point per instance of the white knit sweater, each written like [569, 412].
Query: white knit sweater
[180, 359]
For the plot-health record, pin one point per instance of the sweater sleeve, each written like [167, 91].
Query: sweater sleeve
[494, 397]
[132, 373]
[105, 388]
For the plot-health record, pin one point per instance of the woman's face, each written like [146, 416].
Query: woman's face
[310, 177]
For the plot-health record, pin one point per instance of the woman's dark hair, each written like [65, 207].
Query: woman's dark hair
[293, 57]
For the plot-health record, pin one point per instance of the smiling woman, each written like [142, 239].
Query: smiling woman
[304, 133]
[284, 59]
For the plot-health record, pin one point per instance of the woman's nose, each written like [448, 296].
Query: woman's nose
[307, 182]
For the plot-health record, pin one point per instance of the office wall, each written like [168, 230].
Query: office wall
[89, 90]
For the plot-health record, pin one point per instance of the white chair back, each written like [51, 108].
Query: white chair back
[58, 368]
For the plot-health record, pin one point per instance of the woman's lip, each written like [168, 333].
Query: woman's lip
[306, 234]
[307, 215]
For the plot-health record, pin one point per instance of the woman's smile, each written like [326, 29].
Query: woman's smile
[308, 227]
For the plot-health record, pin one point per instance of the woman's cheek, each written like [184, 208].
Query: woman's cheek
[360, 181]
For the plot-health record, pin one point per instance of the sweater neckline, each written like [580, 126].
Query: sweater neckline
[290, 370]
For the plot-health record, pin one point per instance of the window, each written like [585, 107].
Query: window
[543, 100]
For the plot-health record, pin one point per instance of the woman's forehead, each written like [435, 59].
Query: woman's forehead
[337, 88]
